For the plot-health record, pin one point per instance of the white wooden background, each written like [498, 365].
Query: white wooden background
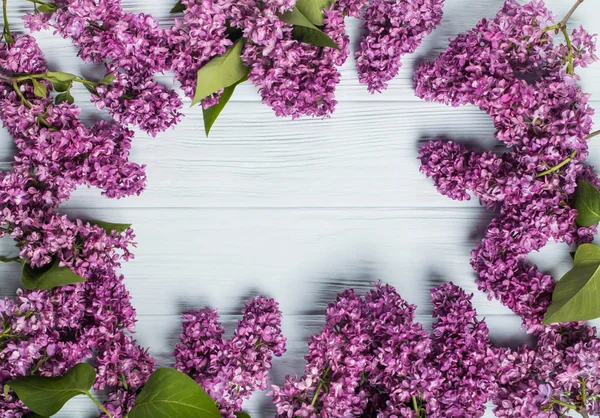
[298, 210]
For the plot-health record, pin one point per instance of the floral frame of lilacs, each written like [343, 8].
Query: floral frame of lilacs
[57, 153]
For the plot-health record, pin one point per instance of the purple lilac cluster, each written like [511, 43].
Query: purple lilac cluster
[560, 375]
[230, 370]
[373, 359]
[47, 332]
[393, 29]
[133, 48]
[543, 120]
[294, 78]
[512, 68]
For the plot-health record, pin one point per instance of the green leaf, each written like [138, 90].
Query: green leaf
[109, 227]
[108, 79]
[47, 395]
[47, 8]
[577, 294]
[212, 113]
[306, 32]
[64, 97]
[313, 9]
[48, 276]
[61, 86]
[178, 8]
[220, 72]
[59, 76]
[587, 203]
[242, 415]
[9, 259]
[170, 393]
[39, 89]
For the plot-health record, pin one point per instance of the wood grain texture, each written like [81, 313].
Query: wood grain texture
[298, 210]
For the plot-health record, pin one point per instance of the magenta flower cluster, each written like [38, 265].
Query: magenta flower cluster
[294, 78]
[373, 359]
[47, 332]
[230, 370]
[394, 28]
[513, 68]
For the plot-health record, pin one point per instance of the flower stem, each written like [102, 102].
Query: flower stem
[416, 406]
[593, 134]
[320, 386]
[563, 23]
[558, 166]
[570, 69]
[7, 34]
[561, 403]
[102, 408]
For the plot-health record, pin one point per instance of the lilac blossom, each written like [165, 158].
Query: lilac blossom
[373, 359]
[230, 370]
[543, 122]
[394, 28]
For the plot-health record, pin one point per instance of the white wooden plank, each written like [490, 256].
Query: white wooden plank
[366, 157]
[301, 257]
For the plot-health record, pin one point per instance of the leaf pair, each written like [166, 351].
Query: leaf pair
[223, 72]
[167, 393]
[577, 294]
[305, 31]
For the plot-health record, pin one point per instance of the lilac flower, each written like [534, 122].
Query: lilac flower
[543, 121]
[394, 28]
[231, 370]
[133, 47]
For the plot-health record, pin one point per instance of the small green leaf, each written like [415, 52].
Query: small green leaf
[242, 415]
[61, 86]
[39, 89]
[60, 76]
[178, 8]
[577, 294]
[313, 9]
[108, 79]
[306, 32]
[9, 259]
[47, 395]
[212, 113]
[6, 390]
[109, 227]
[47, 8]
[48, 276]
[587, 203]
[64, 97]
[220, 72]
[170, 393]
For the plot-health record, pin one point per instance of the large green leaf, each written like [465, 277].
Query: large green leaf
[587, 203]
[109, 226]
[313, 9]
[305, 31]
[170, 393]
[242, 415]
[577, 294]
[212, 113]
[48, 276]
[47, 395]
[220, 72]
[39, 89]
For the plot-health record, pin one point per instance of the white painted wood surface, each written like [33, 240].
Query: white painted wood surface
[298, 210]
